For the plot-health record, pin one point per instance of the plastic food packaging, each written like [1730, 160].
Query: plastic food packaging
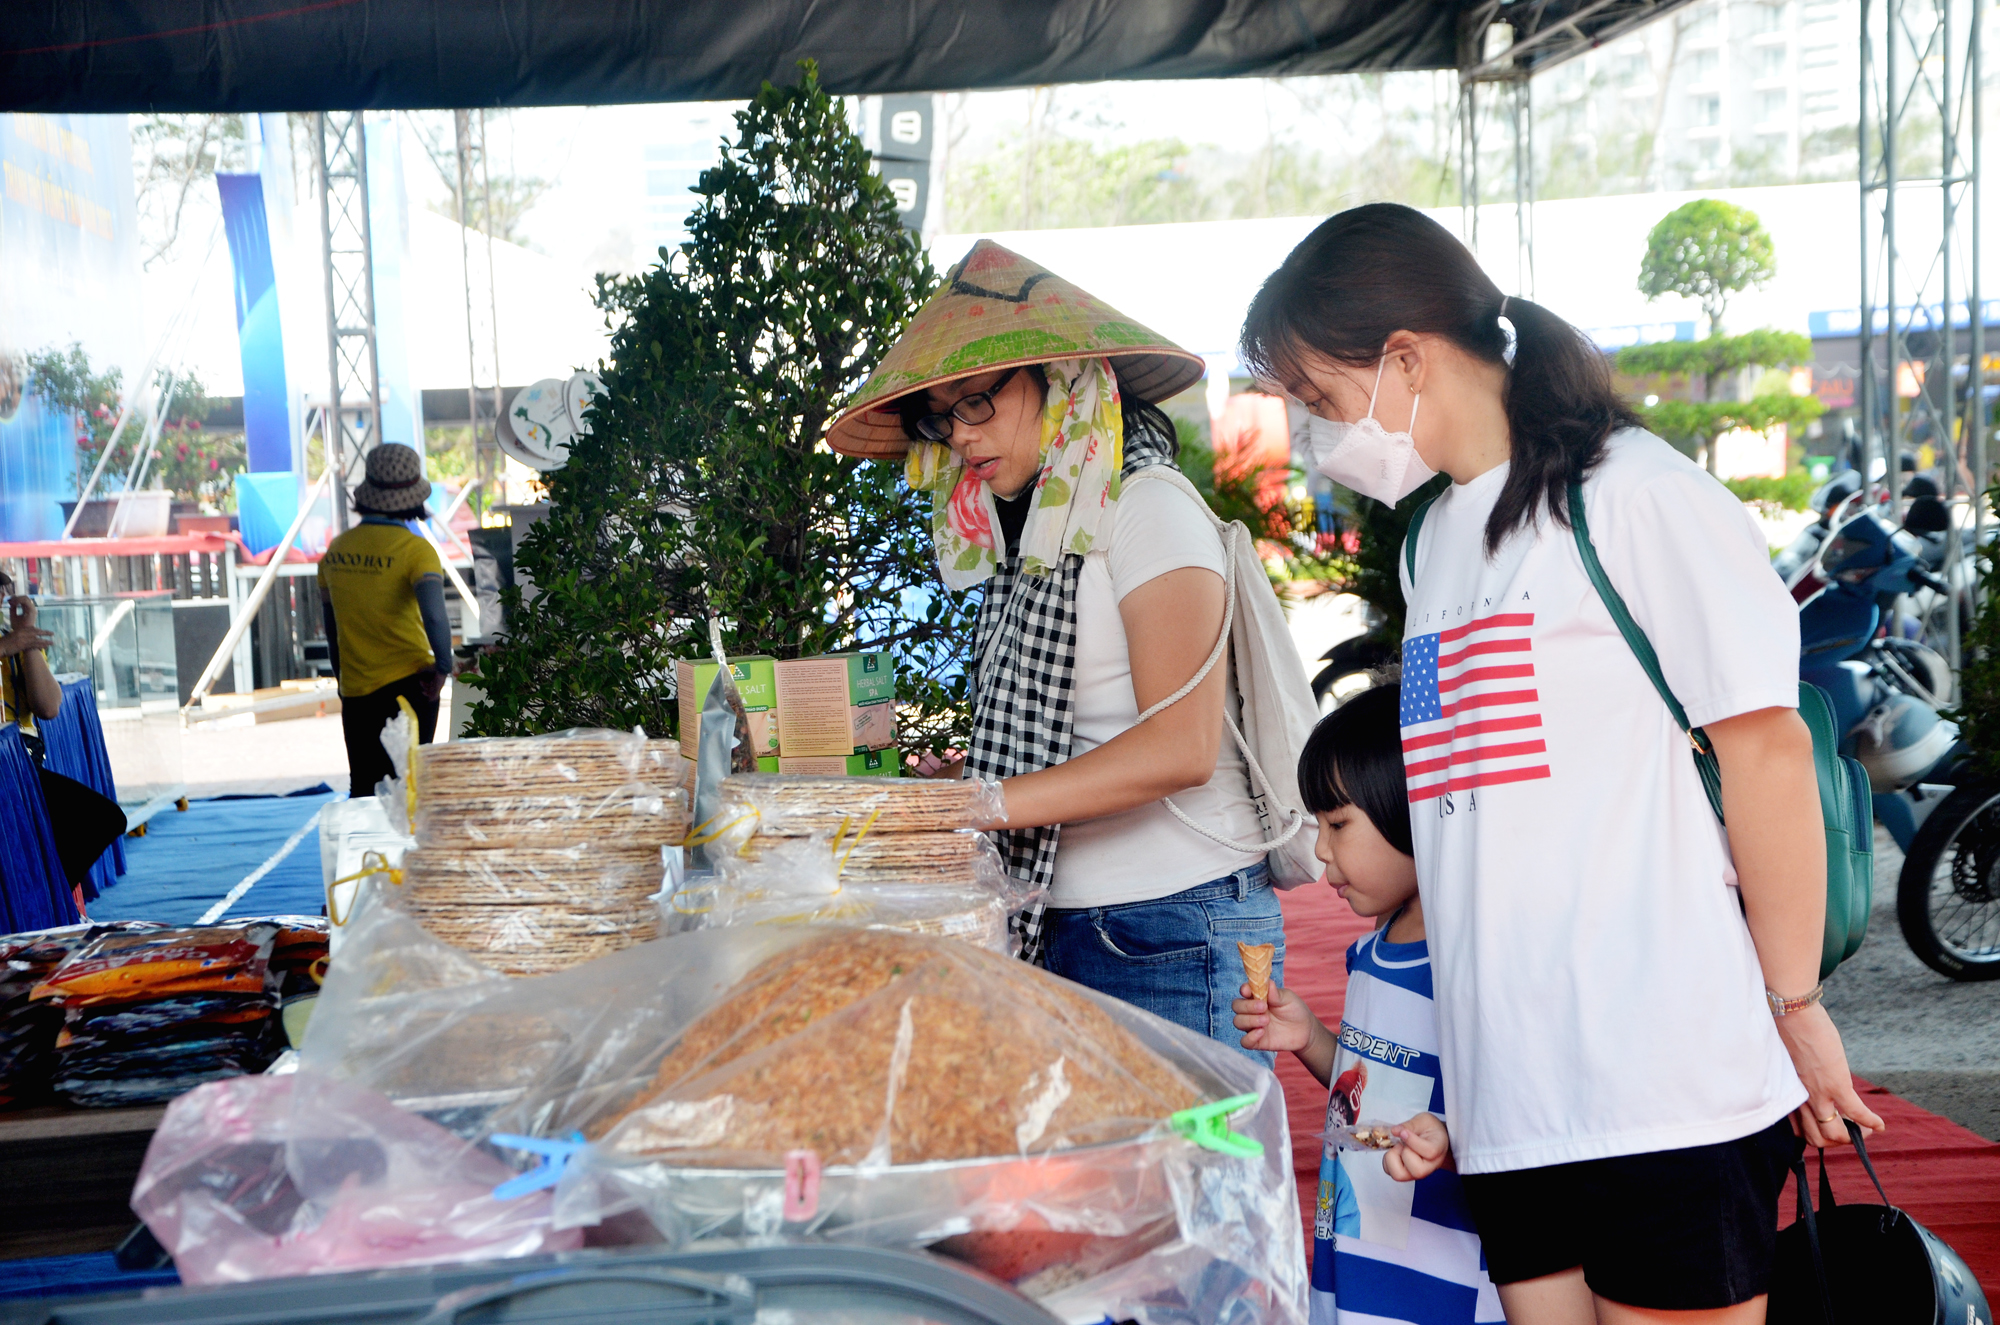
[811, 1120]
[29, 1027]
[549, 791]
[267, 1176]
[966, 894]
[148, 1015]
[532, 910]
[798, 805]
[1367, 1134]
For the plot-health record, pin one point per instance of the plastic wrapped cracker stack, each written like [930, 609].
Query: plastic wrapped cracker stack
[902, 854]
[537, 853]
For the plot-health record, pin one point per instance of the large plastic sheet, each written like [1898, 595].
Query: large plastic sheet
[262, 1177]
[95, 56]
[1093, 1202]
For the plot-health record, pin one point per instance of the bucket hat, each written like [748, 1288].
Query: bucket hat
[997, 310]
[395, 484]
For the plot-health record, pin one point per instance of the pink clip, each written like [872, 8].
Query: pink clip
[801, 1185]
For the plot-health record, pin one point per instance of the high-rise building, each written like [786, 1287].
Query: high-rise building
[1721, 92]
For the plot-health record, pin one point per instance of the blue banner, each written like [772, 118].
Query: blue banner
[267, 423]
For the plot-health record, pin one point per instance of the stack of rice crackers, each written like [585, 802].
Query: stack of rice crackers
[535, 854]
[909, 844]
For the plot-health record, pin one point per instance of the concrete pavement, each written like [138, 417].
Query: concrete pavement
[1931, 1040]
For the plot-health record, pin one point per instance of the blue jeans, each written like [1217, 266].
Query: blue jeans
[1175, 956]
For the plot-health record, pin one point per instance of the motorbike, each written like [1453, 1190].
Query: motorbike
[1861, 643]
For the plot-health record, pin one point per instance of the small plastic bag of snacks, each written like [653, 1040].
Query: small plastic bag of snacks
[263, 1177]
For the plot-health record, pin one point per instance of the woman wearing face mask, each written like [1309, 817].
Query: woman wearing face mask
[1632, 1044]
[1025, 408]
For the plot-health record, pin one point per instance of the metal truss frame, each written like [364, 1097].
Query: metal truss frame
[353, 420]
[1921, 60]
[1545, 34]
[482, 311]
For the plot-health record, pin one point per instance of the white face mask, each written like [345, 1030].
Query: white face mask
[1367, 457]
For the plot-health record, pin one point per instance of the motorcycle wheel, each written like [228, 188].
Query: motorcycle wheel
[1948, 896]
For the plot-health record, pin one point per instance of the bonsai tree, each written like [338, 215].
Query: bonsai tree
[703, 488]
[1707, 250]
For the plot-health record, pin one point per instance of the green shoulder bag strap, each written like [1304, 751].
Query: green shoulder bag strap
[1845, 809]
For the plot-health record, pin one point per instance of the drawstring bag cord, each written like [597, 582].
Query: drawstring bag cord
[1259, 783]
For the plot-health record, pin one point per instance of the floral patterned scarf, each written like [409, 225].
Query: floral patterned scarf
[1083, 454]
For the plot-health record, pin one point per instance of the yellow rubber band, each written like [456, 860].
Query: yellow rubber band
[698, 837]
[840, 862]
[381, 865]
[410, 767]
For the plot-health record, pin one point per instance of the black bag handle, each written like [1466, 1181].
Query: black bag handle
[1811, 1221]
[1856, 1135]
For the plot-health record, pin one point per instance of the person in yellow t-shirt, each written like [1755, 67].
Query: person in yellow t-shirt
[382, 590]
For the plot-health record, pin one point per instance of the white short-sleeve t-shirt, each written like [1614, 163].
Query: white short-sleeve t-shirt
[1144, 853]
[1598, 993]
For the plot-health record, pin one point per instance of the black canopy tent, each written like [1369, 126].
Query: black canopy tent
[112, 56]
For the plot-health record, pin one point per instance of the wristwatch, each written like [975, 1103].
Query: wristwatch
[1782, 1006]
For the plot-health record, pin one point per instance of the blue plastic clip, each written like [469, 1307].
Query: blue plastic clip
[556, 1154]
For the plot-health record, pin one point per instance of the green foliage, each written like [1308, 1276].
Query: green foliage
[1354, 142]
[1706, 250]
[1378, 567]
[1793, 492]
[1690, 423]
[1702, 420]
[1280, 521]
[1716, 354]
[1978, 713]
[703, 486]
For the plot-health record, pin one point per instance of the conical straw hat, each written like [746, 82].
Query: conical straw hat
[998, 309]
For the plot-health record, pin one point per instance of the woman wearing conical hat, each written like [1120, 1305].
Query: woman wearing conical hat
[1025, 407]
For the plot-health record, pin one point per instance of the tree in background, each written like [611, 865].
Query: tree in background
[173, 159]
[703, 486]
[1708, 250]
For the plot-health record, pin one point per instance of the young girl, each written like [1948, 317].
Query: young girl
[1628, 1018]
[1393, 1239]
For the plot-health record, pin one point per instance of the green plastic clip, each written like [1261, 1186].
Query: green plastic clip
[1207, 1125]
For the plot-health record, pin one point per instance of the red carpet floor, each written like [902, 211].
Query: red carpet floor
[1947, 1178]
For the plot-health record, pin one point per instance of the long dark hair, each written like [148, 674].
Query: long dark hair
[1367, 273]
[1355, 757]
[1141, 416]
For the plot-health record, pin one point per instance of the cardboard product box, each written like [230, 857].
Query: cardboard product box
[836, 704]
[868, 763]
[755, 681]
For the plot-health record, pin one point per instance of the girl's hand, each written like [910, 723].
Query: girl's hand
[1426, 1148]
[1814, 1043]
[1281, 1022]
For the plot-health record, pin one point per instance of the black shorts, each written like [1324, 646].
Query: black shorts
[1673, 1230]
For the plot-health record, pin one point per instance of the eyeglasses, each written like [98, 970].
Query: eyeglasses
[975, 408]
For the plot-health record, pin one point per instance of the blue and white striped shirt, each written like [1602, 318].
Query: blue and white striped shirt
[1387, 1251]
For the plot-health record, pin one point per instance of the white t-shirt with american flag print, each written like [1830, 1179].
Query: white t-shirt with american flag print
[1597, 990]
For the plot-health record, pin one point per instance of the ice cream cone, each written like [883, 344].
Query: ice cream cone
[1257, 966]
